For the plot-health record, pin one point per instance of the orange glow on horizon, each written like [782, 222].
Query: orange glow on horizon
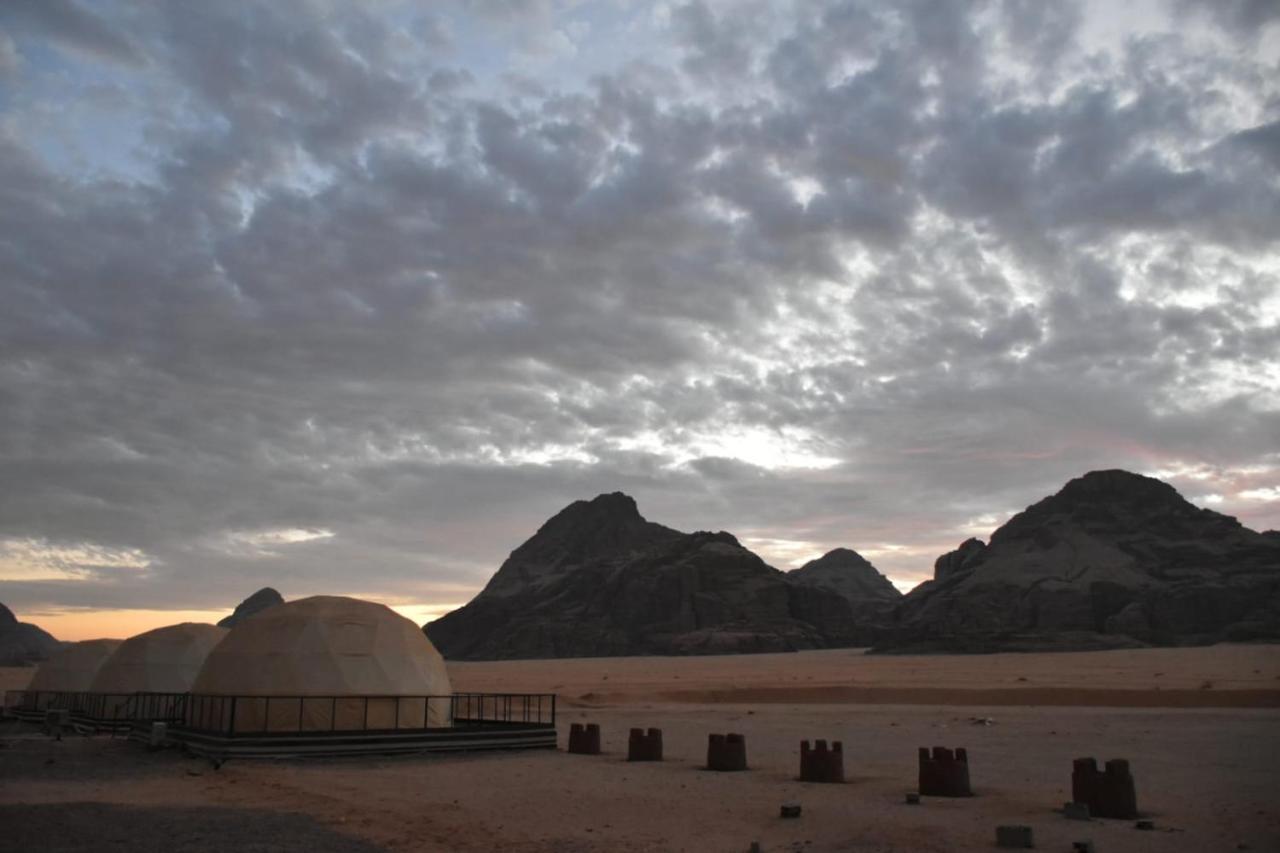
[76, 625]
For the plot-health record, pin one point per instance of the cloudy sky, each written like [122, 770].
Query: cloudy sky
[350, 298]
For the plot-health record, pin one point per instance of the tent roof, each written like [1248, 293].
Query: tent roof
[73, 668]
[325, 646]
[164, 660]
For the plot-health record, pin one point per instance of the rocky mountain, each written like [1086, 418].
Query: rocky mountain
[260, 600]
[22, 643]
[870, 596]
[1112, 559]
[848, 573]
[598, 580]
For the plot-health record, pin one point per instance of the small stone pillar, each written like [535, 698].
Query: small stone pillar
[644, 746]
[727, 753]
[1109, 793]
[584, 739]
[157, 736]
[944, 773]
[821, 764]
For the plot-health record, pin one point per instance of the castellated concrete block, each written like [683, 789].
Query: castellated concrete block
[644, 745]
[1015, 837]
[944, 773]
[727, 753]
[1108, 793]
[820, 764]
[584, 739]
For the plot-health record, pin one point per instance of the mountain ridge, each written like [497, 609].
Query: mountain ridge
[598, 579]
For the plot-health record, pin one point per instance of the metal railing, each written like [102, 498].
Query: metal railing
[258, 715]
[99, 707]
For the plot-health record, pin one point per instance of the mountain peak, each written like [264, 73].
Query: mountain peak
[849, 573]
[1116, 483]
[6, 616]
[260, 600]
[1116, 504]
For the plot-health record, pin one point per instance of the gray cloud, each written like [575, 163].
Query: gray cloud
[839, 275]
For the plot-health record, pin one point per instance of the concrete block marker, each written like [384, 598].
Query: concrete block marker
[1108, 793]
[644, 746]
[584, 739]
[944, 773]
[791, 810]
[1014, 837]
[55, 721]
[157, 736]
[1076, 811]
[727, 753]
[820, 764]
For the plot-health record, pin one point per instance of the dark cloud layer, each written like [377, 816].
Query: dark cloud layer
[331, 297]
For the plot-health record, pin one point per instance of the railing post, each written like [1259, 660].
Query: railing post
[231, 728]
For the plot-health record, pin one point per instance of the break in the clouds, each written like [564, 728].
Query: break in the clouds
[350, 297]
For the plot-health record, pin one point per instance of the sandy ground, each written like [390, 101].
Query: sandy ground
[1206, 775]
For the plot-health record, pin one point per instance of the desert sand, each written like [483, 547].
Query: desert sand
[1201, 728]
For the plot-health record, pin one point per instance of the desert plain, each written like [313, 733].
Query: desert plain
[1200, 726]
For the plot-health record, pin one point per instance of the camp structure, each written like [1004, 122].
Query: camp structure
[72, 668]
[328, 663]
[62, 681]
[164, 660]
[335, 676]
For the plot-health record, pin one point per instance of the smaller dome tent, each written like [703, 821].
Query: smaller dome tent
[72, 668]
[164, 660]
[326, 663]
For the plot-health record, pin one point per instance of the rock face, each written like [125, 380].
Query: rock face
[870, 596]
[260, 600]
[22, 644]
[1112, 559]
[600, 580]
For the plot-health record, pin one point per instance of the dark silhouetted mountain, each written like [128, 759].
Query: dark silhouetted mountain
[1112, 559]
[868, 595]
[598, 580]
[21, 643]
[259, 601]
[848, 573]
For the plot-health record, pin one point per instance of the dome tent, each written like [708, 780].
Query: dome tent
[72, 668]
[328, 663]
[164, 660]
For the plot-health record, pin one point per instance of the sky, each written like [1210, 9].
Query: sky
[350, 298]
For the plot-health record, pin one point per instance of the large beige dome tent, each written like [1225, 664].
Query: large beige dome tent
[326, 663]
[73, 668]
[165, 660]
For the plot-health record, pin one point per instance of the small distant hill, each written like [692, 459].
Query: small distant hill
[260, 600]
[869, 595]
[22, 644]
[1112, 559]
[598, 579]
